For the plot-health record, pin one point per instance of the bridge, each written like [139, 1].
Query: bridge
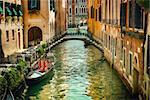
[82, 35]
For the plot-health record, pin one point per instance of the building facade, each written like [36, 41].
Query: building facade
[60, 16]
[147, 60]
[38, 21]
[11, 27]
[120, 25]
[77, 12]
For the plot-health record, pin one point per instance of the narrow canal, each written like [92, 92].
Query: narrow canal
[79, 74]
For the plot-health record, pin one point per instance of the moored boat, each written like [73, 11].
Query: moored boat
[43, 70]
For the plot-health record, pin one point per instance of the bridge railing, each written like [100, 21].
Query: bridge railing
[77, 34]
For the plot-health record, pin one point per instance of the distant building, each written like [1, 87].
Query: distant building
[77, 12]
[11, 27]
[38, 21]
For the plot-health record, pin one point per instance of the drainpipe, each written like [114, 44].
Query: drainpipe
[49, 21]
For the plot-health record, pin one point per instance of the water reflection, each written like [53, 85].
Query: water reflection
[79, 75]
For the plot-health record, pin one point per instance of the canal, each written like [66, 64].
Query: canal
[79, 74]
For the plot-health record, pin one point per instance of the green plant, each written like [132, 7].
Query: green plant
[45, 45]
[40, 51]
[21, 65]
[13, 78]
[3, 84]
[145, 4]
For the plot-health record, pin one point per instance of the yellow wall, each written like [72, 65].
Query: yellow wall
[39, 19]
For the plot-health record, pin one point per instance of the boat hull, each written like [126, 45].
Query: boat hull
[32, 81]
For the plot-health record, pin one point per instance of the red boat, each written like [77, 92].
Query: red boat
[43, 70]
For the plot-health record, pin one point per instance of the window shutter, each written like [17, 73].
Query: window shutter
[138, 17]
[130, 14]
[91, 11]
[123, 14]
[29, 4]
[100, 17]
[96, 15]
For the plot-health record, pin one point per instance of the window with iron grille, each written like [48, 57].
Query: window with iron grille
[33, 4]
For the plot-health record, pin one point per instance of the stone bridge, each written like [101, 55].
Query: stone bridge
[88, 39]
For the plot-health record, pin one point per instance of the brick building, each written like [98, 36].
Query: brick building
[11, 27]
[121, 26]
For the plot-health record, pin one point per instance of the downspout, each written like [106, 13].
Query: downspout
[49, 20]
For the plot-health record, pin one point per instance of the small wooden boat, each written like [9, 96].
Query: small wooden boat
[40, 73]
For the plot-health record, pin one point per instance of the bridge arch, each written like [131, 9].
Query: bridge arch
[34, 36]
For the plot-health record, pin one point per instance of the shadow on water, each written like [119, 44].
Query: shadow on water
[35, 89]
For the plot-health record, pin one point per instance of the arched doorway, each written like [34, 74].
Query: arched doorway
[34, 36]
[1, 50]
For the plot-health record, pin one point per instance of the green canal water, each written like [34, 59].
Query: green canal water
[79, 74]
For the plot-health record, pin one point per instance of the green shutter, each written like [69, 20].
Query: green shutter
[14, 11]
[9, 11]
[1, 10]
[20, 13]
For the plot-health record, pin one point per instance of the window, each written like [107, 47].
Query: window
[100, 17]
[124, 58]
[109, 43]
[123, 14]
[130, 65]
[76, 10]
[33, 4]
[121, 50]
[7, 36]
[70, 10]
[115, 46]
[92, 12]
[13, 34]
[138, 17]
[105, 38]
[96, 15]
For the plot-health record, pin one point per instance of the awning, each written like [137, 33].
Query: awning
[20, 13]
[8, 11]
[14, 11]
[1, 10]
